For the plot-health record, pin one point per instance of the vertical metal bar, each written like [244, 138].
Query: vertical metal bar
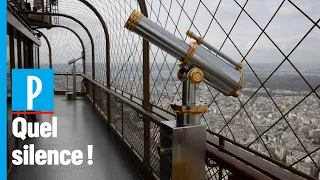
[146, 100]
[220, 172]
[38, 58]
[146, 88]
[221, 144]
[30, 53]
[74, 81]
[122, 115]
[108, 72]
[11, 42]
[188, 99]
[100, 99]
[42, 9]
[19, 50]
[84, 62]
[25, 51]
[188, 93]
[67, 82]
[49, 48]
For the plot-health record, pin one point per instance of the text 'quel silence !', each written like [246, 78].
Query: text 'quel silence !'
[29, 156]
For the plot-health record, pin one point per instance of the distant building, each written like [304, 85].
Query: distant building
[315, 134]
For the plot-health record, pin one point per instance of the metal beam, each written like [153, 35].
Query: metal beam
[77, 21]
[49, 48]
[108, 72]
[60, 26]
[19, 26]
[106, 33]
[146, 88]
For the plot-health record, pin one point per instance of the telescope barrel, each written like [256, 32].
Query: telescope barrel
[74, 60]
[200, 40]
[217, 73]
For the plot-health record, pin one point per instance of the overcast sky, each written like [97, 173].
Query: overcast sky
[286, 30]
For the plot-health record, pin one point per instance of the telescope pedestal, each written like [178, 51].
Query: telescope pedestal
[73, 94]
[183, 141]
[182, 151]
[74, 76]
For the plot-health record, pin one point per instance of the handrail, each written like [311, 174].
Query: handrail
[234, 165]
[230, 155]
[266, 167]
[66, 74]
[240, 146]
[154, 118]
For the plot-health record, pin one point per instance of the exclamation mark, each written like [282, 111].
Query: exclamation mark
[90, 148]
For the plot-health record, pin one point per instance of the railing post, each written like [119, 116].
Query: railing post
[146, 89]
[19, 50]
[108, 73]
[221, 144]
[74, 76]
[122, 114]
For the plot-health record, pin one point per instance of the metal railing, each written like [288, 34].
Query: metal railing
[226, 158]
[64, 82]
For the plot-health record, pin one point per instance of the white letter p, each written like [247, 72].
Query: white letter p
[30, 94]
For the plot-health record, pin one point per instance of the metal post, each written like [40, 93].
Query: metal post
[183, 143]
[188, 99]
[74, 81]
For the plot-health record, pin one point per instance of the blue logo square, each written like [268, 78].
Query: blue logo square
[32, 90]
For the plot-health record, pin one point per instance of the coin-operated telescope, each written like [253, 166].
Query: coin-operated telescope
[73, 94]
[182, 147]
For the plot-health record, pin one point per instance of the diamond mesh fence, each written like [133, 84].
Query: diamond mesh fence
[64, 47]
[277, 113]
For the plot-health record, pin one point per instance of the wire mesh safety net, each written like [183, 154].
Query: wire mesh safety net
[278, 111]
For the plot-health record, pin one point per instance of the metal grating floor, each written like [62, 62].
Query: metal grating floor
[79, 126]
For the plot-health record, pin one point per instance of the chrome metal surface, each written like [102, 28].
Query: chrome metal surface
[186, 159]
[188, 93]
[184, 119]
[216, 51]
[11, 19]
[188, 99]
[218, 73]
[188, 152]
[162, 38]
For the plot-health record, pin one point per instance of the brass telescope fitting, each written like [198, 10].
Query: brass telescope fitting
[199, 40]
[189, 109]
[133, 20]
[239, 66]
[236, 92]
[195, 76]
[189, 54]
